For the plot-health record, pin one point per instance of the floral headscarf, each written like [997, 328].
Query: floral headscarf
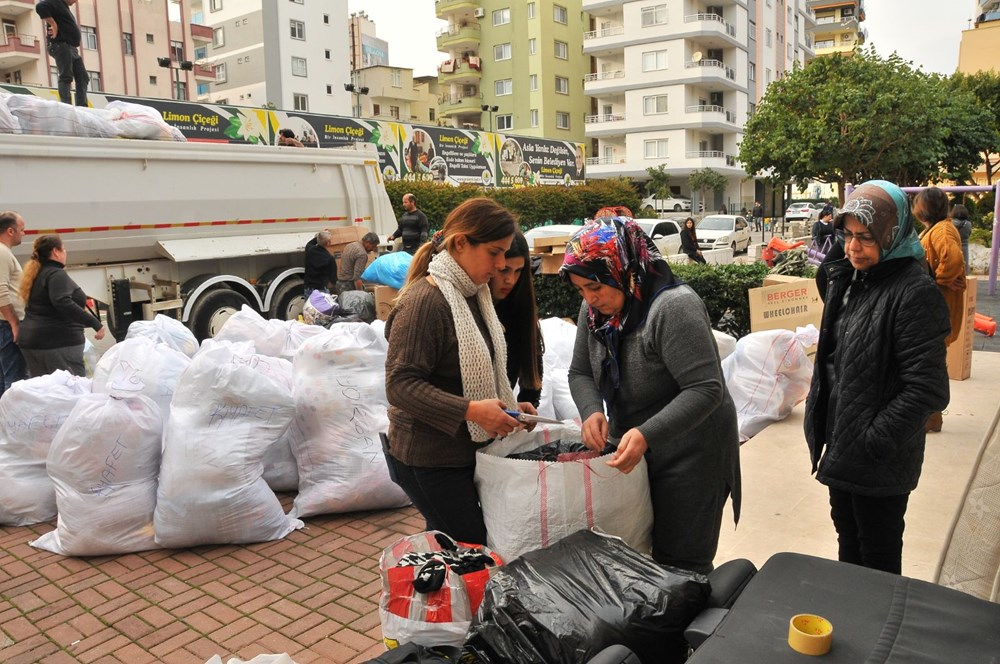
[616, 252]
[884, 210]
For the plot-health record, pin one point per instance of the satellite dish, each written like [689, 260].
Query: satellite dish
[696, 56]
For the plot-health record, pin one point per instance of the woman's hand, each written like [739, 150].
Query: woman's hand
[99, 334]
[527, 407]
[490, 415]
[630, 450]
[595, 432]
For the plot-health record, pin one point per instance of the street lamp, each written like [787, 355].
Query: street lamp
[491, 110]
[183, 65]
[358, 90]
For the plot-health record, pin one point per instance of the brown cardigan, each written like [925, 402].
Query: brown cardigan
[943, 246]
[423, 381]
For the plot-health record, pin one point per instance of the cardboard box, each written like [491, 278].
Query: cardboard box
[775, 279]
[551, 245]
[551, 263]
[341, 236]
[385, 298]
[790, 303]
[960, 351]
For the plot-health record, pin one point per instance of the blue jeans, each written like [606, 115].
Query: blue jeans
[11, 360]
[71, 69]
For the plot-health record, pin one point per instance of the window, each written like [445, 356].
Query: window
[298, 29]
[149, 38]
[329, 89]
[501, 16]
[180, 90]
[201, 52]
[215, 5]
[503, 86]
[752, 71]
[655, 148]
[654, 60]
[751, 109]
[654, 104]
[220, 72]
[752, 30]
[531, 10]
[505, 122]
[202, 89]
[562, 50]
[397, 78]
[177, 51]
[95, 81]
[767, 77]
[655, 15]
[501, 52]
[559, 14]
[394, 111]
[376, 109]
[127, 46]
[562, 120]
[532, 46]
[533, 117]
[218, 37]
[299, 67]
[327, 54]
[562, 85]
[430, 114]
[152, 79]
[300, 102]
[848, 12]
[767, 37]
[533, 82]
[88, 38]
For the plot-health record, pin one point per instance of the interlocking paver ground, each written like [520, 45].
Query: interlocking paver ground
[313, 595]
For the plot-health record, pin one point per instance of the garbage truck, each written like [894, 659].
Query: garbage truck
[193, 230]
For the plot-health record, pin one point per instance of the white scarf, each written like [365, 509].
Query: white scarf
[482, 377]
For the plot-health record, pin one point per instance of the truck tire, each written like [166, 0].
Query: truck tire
[212, 310]
[288, 300]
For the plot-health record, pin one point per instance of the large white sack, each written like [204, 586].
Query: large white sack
[44, 116]
[281, 472]
[166, 330]
[529, 505]
[268, 336]
[140, 121]
[229, 408]
[767, 374]
[559, 337]
[31, 413]
[8, 123]
[296, 334]
[341, 408]
[104, 462]
[140, 366]
[726, 344]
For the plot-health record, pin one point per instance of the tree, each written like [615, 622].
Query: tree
[707, 178]
[985, 87]
[658, 185]
[855, 118]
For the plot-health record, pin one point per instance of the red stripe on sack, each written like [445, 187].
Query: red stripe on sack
[588, 493]
[546, 434]
[543, 510]
[437, 605]
[400, 590]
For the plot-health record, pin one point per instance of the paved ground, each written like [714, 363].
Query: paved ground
[989, 306]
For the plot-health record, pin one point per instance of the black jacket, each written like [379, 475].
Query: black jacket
[55, 313]
[889, 364]
[68, 31]
[689, 243]
[320, 267]
[413, 229]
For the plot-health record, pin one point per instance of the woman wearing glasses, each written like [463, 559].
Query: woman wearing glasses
[645, 352]
[879, 373]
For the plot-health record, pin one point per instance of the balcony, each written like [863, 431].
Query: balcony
[443, 7]
[612, 31]
[206, 72]
[201, 34]
[708, 71]
[609, 117]
[712, 158]
[712, 114]
[605, 161]
[607, 40]
[16, 50]
[712, 23]
[15, 8]
[459, 36]
[458, 104]
[460, 71]
[605, 82]
[608, 124]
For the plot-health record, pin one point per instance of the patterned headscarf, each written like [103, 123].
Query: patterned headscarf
[883, 208]
[616, 252]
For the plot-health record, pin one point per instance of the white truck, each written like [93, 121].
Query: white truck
[194, 229]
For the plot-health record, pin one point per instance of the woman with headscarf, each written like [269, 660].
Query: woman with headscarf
[879, 373]
[645, 352]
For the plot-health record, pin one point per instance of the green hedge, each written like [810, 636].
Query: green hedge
[723, 288]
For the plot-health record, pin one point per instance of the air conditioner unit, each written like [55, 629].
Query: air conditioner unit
[479, 13]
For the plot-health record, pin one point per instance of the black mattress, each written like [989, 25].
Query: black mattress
[877, 618]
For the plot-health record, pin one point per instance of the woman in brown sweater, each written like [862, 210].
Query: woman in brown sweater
[445, 373]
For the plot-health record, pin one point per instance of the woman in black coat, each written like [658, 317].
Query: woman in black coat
[689, 242]
[879, 373]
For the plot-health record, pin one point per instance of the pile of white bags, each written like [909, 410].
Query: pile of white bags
[31, 413]
[165, 330]
[767, 375]
[140, 366]
[556, 402]
[229, 407]
[529, 505]
[45, 116]
[276, 338]
[139, 121]
[340, 411]
[104, 462]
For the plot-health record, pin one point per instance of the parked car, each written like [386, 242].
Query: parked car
[672, 204]
[665, 233]
[554, 230]
[723, 230]
[802, 212]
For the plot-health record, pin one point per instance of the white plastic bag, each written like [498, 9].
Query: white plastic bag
[140, 121]
[31, 413]
[726, 344]
[341, 408]
[280, 469]
[104, 462]
[46, 116]
[229, 408]
[140, 366]
[165, 330]
[268, 336]
[8, 123]
[767, 375]
[556, 401]
[528, 505]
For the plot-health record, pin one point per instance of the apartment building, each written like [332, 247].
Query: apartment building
[122, 44]
[395, 95]
[838, 26]
[978, 52]
[513, 66]
[290, 53]
[367, 50]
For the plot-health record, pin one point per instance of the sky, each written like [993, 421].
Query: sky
[926, 32]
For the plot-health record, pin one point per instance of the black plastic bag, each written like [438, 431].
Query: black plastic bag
[411, 653]
[552, 451]
[588, 591]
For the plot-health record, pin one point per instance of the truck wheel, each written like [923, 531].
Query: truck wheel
[288, 300]
[212, 310]
[734, 248]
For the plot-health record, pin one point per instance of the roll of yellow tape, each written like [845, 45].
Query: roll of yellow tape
[809, 634]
